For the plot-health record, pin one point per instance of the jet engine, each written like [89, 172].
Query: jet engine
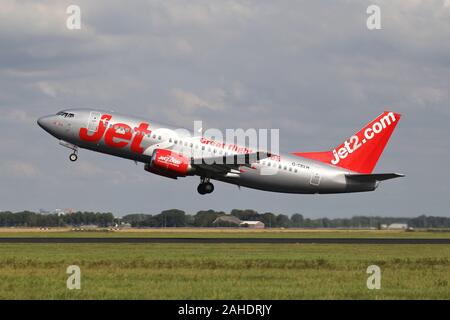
[169, 164]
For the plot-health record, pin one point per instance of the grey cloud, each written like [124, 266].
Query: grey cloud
[310, 68]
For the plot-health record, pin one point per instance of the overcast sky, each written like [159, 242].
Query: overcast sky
[310, 68]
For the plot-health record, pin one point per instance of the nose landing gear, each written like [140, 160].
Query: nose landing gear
[205, 186]
[73, 157]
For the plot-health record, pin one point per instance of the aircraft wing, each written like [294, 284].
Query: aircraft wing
[229, 163]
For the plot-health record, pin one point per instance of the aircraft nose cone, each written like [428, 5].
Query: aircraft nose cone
[45, 122]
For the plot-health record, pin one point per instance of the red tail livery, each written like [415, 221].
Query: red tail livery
[360, 153]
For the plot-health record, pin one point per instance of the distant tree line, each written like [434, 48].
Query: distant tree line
[33, 219]
[179, 218]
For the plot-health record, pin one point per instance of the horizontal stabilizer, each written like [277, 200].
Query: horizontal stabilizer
[373, 176]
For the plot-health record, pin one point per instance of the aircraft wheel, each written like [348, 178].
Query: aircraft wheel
[209, 187]
[73, 157]
[201, 188]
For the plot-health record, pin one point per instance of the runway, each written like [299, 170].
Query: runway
[118, 240]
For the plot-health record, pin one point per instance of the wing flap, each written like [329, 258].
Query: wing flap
[229, 163]
[233, 160]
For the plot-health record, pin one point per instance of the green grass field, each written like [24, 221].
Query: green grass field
[223, 271]
[225, 233]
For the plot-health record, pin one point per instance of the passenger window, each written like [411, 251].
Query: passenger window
[159, 137]
[295, 170]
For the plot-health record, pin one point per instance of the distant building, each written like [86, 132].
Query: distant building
[227, 220]
[62, 212]
[252, 224]
[124, 225]
[397, 226]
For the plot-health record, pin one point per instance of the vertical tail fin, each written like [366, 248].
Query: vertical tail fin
[360, 153]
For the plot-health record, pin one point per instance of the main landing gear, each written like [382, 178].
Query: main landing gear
[205, 186]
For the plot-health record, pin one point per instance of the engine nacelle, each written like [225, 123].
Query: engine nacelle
[169, 164]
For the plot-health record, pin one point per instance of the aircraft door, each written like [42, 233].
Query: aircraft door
[315, 178]
[94, 120]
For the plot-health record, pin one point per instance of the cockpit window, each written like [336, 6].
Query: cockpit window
[65, 114]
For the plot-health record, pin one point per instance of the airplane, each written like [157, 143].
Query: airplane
[167, 152]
